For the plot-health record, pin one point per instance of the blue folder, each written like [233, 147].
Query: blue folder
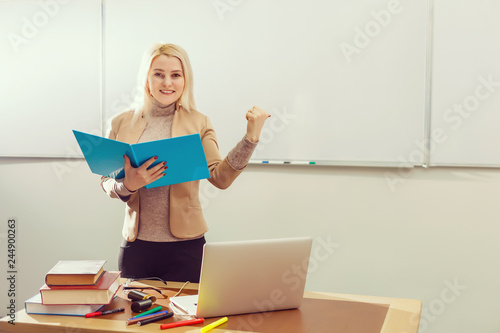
[184, 155]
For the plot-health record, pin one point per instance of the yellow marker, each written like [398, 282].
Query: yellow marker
[213, 325]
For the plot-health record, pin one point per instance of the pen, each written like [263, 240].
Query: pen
[213, 325]
[145, 313]
[134, 320]
[100, 313]
[183, 323]
[157, 318]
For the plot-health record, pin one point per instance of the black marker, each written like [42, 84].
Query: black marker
[100, 313]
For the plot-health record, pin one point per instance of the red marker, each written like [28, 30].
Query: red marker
[100, 313]
[182, 323]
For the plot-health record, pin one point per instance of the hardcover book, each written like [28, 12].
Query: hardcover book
[34, 306]
[101, 293]
[75, 272]
[184, 155]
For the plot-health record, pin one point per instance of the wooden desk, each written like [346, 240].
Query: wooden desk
[402, 316]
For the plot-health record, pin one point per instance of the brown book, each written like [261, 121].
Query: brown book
[75, 272]
[101, 293]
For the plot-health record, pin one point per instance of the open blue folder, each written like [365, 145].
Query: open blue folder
[184, 155]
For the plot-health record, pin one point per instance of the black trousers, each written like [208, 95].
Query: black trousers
[170, 261]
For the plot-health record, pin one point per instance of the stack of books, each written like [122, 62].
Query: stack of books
[75, 288]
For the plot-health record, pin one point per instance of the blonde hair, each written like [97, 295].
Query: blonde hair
[142, 101]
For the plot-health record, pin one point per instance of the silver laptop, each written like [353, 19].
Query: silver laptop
[249, 276]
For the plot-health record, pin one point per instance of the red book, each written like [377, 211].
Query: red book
[101, 293]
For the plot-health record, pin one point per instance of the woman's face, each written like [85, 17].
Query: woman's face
[166, 79]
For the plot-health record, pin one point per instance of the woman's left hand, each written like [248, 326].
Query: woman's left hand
[256, 118]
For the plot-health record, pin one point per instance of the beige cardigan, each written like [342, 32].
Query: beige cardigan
[186, 217]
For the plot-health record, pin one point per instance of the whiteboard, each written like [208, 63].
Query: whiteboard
[50, 69]
[343, 80]
[465, 84]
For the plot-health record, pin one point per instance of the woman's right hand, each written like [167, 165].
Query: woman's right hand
[135, 178]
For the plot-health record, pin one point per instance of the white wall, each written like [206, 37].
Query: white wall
[429, 234]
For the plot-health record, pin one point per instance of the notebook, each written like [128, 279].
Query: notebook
[249, 276]
[184, 155]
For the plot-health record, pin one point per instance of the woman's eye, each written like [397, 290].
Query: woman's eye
[158, 74]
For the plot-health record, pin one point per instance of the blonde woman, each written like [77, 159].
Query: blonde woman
[163, 231]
